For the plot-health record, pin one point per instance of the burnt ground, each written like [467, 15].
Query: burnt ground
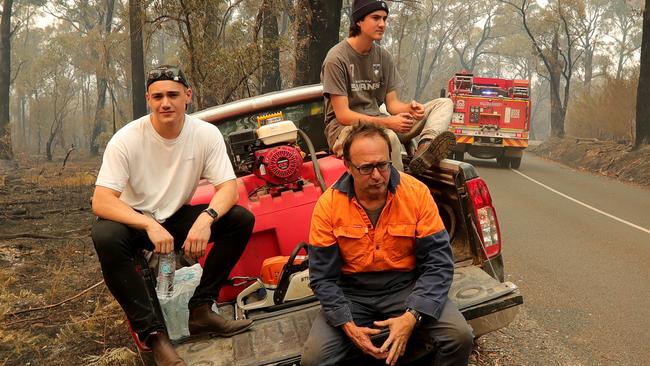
[618, 161]
[55, 309]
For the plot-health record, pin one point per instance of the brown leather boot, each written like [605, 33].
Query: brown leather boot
[163, 351]
[431, 151]
[205, 321]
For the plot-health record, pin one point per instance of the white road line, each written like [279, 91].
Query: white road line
[647, 231]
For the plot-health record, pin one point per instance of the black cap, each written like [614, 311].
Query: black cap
[167, 72]
[361, 8]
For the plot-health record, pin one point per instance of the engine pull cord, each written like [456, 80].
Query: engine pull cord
[314, 160]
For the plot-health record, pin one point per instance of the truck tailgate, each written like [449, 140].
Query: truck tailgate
[270, 340]
[485, 302]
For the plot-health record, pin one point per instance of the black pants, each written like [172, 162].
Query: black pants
[117, 244]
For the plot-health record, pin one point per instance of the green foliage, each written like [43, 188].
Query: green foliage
[219, 48]
[219, 44]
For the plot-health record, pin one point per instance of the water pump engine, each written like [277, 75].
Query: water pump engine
[271, 153]
[278, 165]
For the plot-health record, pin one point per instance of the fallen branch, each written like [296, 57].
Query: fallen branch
[87, 228]
[25, 320]
[65, 210]
[104, 317]
[29, 235]
[67, 155]
[54, 305]
[44, 236]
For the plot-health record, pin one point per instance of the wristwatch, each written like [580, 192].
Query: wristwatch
[416, 314]
[212, 212]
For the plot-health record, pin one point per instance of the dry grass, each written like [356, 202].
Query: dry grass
[55, 180]
[35, 273]
[117, 356]
[605, 113]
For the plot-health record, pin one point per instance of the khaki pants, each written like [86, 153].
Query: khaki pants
[437, 112]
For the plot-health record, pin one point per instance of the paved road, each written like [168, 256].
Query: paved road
[585, 276]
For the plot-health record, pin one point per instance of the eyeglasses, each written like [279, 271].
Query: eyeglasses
[367, 169]
[166, 73]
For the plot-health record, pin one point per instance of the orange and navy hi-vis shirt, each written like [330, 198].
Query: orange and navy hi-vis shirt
[347, 254]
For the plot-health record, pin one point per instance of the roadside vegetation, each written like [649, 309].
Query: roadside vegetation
[68, 89]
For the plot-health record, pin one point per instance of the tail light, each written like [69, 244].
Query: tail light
[485, 216]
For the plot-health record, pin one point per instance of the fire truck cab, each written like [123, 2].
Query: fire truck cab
[491, 118]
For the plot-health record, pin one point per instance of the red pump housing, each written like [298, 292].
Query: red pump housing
[272, 237]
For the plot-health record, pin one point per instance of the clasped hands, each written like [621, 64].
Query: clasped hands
[400, 329]
[195, 243]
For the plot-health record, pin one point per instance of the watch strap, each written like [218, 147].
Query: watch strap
[416, 314]
[212, 212]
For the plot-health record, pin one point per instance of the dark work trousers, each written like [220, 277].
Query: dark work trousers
[450, 336]
[117, 244]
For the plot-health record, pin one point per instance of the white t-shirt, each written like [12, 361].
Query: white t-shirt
[157, 176]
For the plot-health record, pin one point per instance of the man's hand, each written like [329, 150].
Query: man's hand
[401, 122]
[360, 336]
[162, 240]
[198, 236]
[400, 332]
[417, 110]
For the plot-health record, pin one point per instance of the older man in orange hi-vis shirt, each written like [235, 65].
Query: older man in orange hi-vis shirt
[380, 257]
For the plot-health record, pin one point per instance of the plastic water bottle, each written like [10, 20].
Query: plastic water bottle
[166, 270]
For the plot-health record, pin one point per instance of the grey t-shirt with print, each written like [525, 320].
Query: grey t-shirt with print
[364, 78]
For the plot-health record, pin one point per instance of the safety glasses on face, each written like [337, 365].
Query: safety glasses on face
[166, 73]
[367, 169]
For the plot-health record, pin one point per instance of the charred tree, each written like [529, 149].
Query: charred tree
[558, 59]
[99, 124]
[317, 30]
[137, 59]
[643, 91]
[271, 77]
[6, 152]
[558, 112]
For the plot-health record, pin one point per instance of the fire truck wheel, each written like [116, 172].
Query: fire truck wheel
[459, 155]
[503, 161]
[515, 163]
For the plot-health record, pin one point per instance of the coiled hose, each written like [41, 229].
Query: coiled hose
[314, 160]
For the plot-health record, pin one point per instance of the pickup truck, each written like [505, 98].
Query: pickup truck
[282, 222]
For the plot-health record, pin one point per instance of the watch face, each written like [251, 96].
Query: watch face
[211, 212]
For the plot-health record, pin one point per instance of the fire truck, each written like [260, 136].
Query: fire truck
[491, 118]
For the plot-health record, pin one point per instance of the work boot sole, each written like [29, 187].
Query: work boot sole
[219, 334]
[437, 150]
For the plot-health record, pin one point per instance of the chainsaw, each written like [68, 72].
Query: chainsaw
[283, 279]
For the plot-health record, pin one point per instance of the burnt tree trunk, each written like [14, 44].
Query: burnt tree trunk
[271, 78]
[589, 67]
[643, 90]
[557, 109]
[99, 124]
[6, 152]
[317, 30]
[137, 59]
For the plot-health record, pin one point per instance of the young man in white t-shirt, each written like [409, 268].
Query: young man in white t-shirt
[150, 169]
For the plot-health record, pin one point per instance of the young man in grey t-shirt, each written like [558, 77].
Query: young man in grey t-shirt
[359, 76]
